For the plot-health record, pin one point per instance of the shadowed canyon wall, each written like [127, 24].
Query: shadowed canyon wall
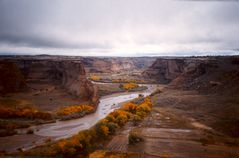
[70, 75]
[207, 74]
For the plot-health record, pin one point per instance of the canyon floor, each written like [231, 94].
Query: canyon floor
[175, 129]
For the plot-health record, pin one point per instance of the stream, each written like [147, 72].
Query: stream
[65, 129]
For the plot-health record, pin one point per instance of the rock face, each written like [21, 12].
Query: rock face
[165, 70]
[11, 79]
[206, 74]
[114, 65]
[70, 75]
[97, 64]
[73, 78]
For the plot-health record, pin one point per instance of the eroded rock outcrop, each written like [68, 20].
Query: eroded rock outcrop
[11, 78]
[114, 65]
[73, 78]
[165, 70]
[205, 74]
[70, 75]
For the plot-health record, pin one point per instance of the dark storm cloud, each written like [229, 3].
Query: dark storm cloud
[119, 26]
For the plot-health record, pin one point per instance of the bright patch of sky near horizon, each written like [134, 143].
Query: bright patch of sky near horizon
[119, 27]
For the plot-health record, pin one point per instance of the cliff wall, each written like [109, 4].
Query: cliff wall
[70, 75]
[206, 74]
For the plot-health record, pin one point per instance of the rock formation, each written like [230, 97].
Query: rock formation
[114, 65]
[70, 75]
[165, 70]
[11, 78]
[206, 74]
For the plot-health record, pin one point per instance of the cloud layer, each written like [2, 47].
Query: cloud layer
[123, 28]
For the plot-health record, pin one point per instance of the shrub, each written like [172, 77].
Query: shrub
[143, 107]
[82, 143]
[136, 120]
[130, 107]
[134, 138]
[102, 130]
[95, 78]
[27, 112]
[112, 127]
[120, 116]
[110, 118]
[129, 86]
[74, 111]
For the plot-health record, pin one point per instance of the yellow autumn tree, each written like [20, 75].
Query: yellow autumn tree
[74, 109]
[128, 86]
[95, 78]
[130, 107]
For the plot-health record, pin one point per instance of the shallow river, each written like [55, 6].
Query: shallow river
[64, 129]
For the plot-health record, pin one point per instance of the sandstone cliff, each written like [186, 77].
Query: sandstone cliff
[165, 70]
[114, 65]
[206, 74]
[11, 78]
[70, 75]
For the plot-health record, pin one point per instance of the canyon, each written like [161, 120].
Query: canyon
[195, 101]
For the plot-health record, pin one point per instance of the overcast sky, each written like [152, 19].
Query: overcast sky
[119, 27]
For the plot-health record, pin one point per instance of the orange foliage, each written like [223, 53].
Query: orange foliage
[129, 86]
[105, 130]
[62, 144]
[30, 113]
[95, 78]
[74, 109]
[127, 81]
[120, 117]
[85, 141]
[130, 107]
[144, 107]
